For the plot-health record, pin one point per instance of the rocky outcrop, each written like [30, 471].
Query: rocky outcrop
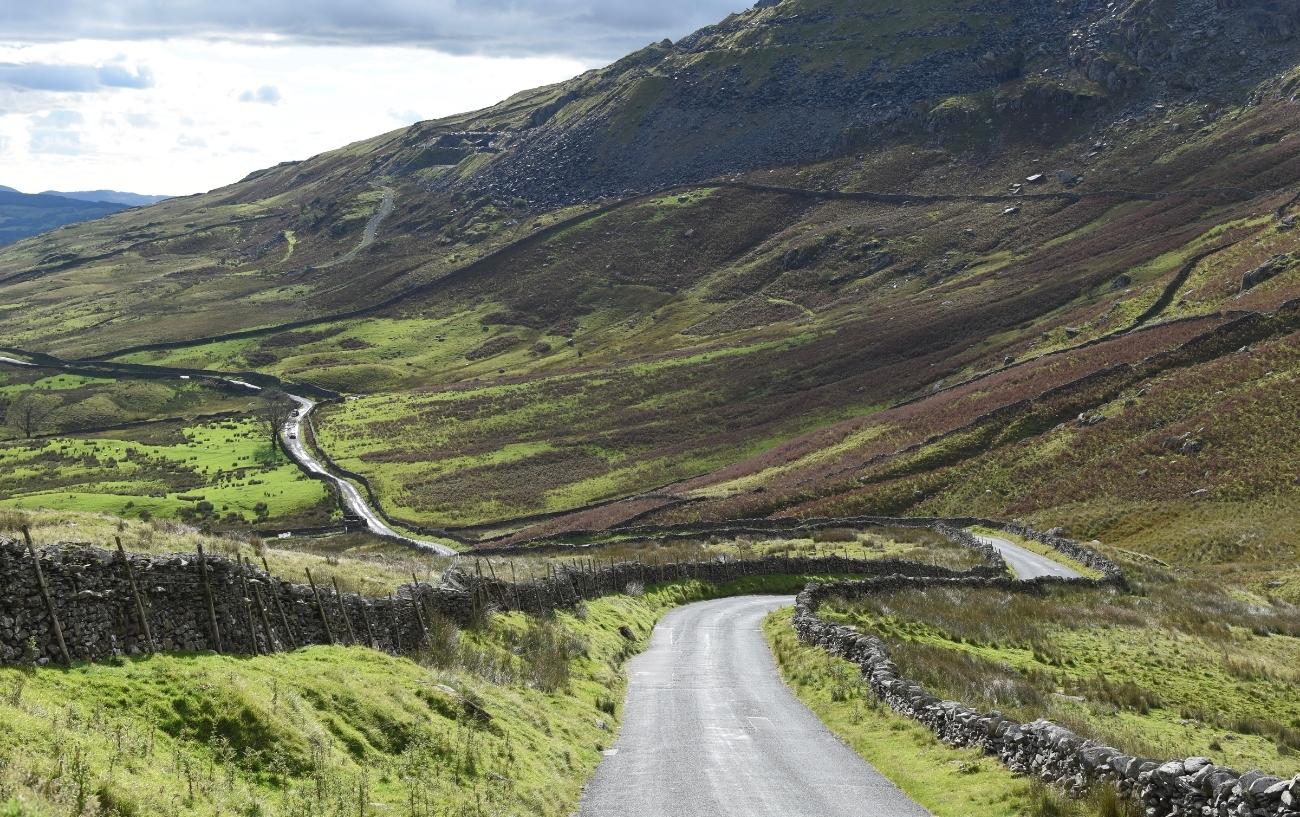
[790, 83]
[1269, 269]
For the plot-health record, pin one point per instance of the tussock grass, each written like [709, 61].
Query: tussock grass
[948, 781]
[1176, 669]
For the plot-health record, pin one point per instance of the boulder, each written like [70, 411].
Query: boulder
[1269, 269]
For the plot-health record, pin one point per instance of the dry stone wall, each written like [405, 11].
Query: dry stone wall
[108, 603]
[951, 527]
[1190, 786]
[91, 595]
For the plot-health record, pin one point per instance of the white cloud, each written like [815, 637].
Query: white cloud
[189, 132]
[56, 132]
[267, 95]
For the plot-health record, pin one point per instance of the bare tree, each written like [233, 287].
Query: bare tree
[274, 408]
[29, 411]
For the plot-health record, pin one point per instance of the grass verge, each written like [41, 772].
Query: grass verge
[508, 718]
[948, 781]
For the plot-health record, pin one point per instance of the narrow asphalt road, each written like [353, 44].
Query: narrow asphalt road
[1026, 563]
[293, 439]
[710, 730]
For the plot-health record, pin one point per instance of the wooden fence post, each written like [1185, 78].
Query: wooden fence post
[135, 592]
[45, 597]
[248, 605]
[395, 623]
[365, 619]
[514, 587]
[284, 619]
[207, 597]
[266, 620]
[320, 608]
[419, 616]
[347, 620]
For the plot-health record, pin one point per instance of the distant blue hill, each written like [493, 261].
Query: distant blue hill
[111, 196]
[25, 214]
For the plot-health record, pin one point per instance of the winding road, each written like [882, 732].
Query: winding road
[1026, 563]
[710, 730]
[293, 439]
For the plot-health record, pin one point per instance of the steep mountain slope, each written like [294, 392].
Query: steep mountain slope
[790, 82]
[1051, 205]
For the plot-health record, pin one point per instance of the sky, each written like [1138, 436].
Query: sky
[182, 96]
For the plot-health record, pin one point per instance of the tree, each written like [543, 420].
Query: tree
[29, 411]
[274, 408]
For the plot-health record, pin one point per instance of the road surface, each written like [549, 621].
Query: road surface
[294, 441]
[1026, 563]
[710, 730]
[368, 233]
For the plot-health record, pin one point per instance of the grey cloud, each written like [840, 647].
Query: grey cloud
[141, 120]
[116, 76]
[588, 29]
[73, 78]
[267, 95]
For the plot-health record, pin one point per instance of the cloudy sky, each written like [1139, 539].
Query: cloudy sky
[180, 96]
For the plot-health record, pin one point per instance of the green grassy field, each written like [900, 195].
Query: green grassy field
[81, 403]
[219, 472]
[1179, 668]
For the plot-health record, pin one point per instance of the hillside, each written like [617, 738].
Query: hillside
[825, 257]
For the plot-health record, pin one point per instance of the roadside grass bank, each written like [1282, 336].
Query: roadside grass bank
[509, 717]
[361, 563]
[1180, 667]
[948, 781]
